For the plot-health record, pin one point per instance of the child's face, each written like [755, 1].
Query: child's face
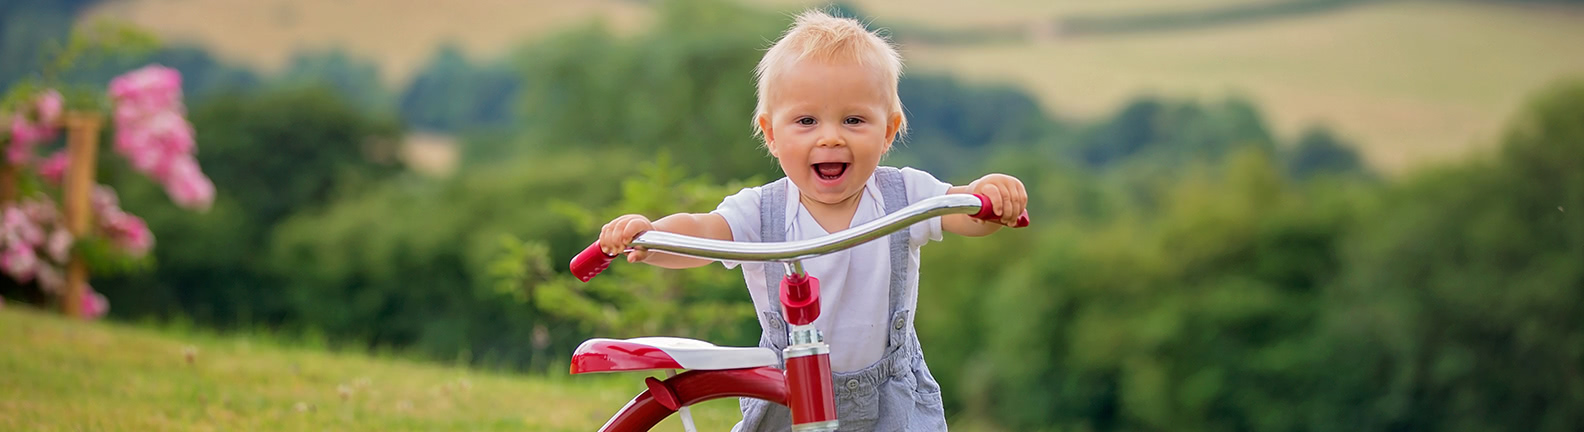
[828, 123]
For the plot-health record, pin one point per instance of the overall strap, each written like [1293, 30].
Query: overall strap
[772, 228]
[894, 191]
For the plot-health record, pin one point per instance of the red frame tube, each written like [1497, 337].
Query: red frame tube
[809, 384]
[644, 412]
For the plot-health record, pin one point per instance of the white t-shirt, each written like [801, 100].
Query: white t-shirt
[854, 283]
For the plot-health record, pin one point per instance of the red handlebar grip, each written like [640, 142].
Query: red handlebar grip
[590, 262]
[987, 212]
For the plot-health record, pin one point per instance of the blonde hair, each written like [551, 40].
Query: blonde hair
[819, 36]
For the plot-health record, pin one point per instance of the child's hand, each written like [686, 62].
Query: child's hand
[617, 234]
[1006, 192]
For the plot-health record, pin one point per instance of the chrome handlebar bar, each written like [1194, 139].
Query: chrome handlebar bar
[592, 260]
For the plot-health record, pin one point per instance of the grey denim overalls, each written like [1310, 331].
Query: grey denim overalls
[896, 393]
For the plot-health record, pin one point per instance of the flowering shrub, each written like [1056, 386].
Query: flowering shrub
[28, 132]
[151, 133]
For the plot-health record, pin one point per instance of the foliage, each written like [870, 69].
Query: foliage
[635, 300]
[271, 155]
[409, 264]
[1167, 133]
[953, 125]
[1462, 298]
[1250, 301]
[451, 94]
[355, 80]
[1320, 152]
[684, 87]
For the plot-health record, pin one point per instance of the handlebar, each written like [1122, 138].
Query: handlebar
[592, 260]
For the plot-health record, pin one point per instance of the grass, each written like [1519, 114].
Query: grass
[60, 374]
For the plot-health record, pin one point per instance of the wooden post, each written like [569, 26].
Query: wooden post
[82, 145]
[8, 183]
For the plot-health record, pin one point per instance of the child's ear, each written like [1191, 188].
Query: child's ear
[893, 125]
[769, 134]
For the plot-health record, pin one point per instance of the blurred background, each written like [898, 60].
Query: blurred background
[1250, 215]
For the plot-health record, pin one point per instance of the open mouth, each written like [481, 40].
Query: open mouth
[830, 171]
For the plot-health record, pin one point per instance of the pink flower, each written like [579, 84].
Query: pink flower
[18, 229]
[51, 279]
[59, 245]
[154, 135]
[24, 136]
[155, 142]
[104, 201]
[19, 261]
[53, 169]
[27, 133]
[145, 91]
[170, 133]
[188, 186]
[94, 304]
[128, 232]
[41, 211]
[50, 104]
[135, 142]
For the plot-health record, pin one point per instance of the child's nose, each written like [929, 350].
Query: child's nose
[830, 137]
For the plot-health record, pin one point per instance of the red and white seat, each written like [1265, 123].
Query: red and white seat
[648, 353]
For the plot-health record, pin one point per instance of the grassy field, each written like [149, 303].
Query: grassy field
[1413, 81]
[58, 374]
[398, 35]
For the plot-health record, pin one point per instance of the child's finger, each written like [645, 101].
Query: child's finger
[624, 233]
[633, 228]
[637, 255]
[1019, 201]
[1009, 211]
[1000, 200]
[994, 193]
[605, 238]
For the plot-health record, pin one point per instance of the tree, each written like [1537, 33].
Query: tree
[1320, 152]
[1462, 302]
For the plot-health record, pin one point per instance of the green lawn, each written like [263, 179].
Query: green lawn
[58, 374]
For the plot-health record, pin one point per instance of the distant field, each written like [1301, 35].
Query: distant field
[957, 13]
[57, 374]
[398, 35]
[1412, 81]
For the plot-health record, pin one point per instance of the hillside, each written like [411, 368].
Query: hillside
[57, 374]
[1412, 81]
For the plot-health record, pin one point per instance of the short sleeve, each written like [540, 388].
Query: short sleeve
[741, 212]
[921, 185]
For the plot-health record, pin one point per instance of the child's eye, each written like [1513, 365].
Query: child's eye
[854, 120]
[806, 121]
